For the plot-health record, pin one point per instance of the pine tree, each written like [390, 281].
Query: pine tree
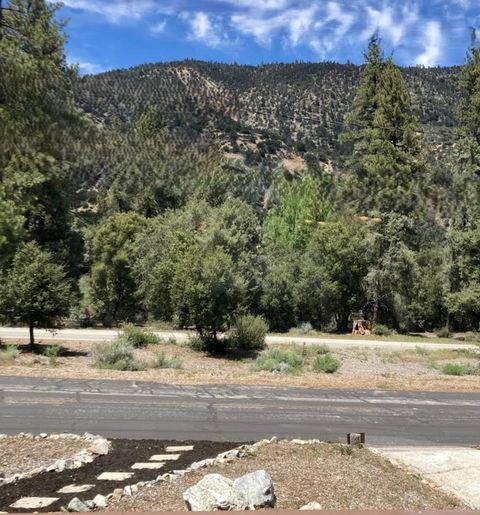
[38, 122]
[387, 160]
[466, 157]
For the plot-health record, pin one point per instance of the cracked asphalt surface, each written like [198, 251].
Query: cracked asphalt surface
[129, 409]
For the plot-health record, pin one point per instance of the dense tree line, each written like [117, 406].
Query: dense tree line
[142, 214]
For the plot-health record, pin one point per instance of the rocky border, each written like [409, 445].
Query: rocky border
[98, 446]
[101, 501]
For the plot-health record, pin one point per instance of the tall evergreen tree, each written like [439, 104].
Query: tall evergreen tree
[387, 158]
[38, 120]
[466, 156]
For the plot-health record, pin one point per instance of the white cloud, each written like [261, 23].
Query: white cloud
[391, 23]
[85, 67]
[204, 29]
[159, 27]
[432, 46]
[114, 11]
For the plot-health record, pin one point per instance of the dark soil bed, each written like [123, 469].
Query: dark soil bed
[123, 454]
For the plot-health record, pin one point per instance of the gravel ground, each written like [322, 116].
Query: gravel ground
[336, 476]
[20, 455]
[363, 368]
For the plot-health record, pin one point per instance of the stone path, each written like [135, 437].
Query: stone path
[123, 471]
[35, 503]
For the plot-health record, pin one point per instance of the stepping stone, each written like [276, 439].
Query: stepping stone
[165, 457]
[151, 465]
[75, 489]
[33, 503]
[115, 476]
[179, 448]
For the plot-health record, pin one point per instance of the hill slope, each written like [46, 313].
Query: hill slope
[276, 113]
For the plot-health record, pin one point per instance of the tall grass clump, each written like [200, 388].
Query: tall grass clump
[276, 360]
[456, 369]
[10, 353]
[162, 361]
[138, 336]
[248, 333]
[117, 355]
[326, 363]
[52, 352]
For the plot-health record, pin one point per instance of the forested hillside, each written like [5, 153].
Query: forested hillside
[263, 114]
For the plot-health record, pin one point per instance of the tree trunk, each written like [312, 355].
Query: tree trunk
[32, 338]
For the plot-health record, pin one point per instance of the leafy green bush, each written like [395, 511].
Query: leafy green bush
[138, 337]
[464, 369]
[444, 332]
[472, 337]
[162, 361]
[326, 363]
[10, 353]
[117, 355]
[382, 330]
[249, 333]
[52, 352]
[276, 360]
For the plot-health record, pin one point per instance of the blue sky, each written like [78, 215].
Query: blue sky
[106, 34]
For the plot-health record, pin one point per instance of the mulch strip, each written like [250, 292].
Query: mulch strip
[123, 454]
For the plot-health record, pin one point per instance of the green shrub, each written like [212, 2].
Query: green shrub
[52, 352]
[138, 337]
[444, 332]
[117, 355]
[472, 337]
[162, 361]
[248, 334]
[196, 343]
[326, 363]
[10, 353]
[382, 330]
[465, 369]
[318, 349]
[276, 360]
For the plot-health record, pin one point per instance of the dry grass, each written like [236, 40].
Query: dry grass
[364, 368]
[21, 455]
[336, 476]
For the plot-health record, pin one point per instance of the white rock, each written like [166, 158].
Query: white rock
[312, 506]
[256, 488]
[202, 464]
[100, 501]
[75, 489]
[43, 435]
[213, 492]
[90, 504]
[77, 505]
[33, 503]
[60, 465]
[100, 446]
[128, 491]
[234, 453]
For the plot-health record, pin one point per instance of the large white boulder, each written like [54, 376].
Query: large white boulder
[256, 489]
[213, 492]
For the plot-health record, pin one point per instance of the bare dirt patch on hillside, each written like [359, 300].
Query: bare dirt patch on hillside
[336, 476]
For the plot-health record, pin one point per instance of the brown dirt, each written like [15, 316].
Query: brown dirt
[362, 368]
[20, 455]
[336, 476]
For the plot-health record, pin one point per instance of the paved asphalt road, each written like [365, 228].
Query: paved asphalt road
[99, 335]
[149, 410]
